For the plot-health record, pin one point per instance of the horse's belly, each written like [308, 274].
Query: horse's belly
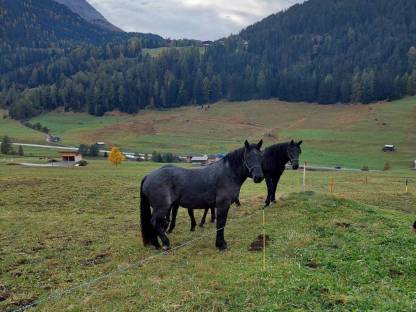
[198, 201]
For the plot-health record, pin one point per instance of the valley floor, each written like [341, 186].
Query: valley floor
[70, 238]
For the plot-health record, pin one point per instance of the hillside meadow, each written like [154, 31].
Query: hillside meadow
[344, 135]
[70, 238]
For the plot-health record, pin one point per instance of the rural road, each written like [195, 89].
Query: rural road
[66, 148]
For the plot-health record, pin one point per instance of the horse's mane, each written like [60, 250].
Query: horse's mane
[276, 154]
[278, 148]
[234, 158]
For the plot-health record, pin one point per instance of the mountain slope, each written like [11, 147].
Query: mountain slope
[42, 23]
[340, 42]
[324, 51]
[89, 13]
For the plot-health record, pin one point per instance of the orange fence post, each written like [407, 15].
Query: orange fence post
[331, 184]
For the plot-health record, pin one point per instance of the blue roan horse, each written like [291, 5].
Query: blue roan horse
[216, 185]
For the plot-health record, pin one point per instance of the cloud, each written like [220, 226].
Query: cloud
[199, 19]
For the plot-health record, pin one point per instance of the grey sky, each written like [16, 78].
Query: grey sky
[196, 19]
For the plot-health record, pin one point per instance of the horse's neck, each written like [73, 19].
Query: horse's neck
[237, 173]
[279, 153]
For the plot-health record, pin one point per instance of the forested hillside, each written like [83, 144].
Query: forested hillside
[89, 13]
[323, 51]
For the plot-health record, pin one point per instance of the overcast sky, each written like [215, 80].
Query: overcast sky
[195, 19]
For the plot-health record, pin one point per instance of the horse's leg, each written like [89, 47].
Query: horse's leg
[275, 181]
[204, 217]
[159, 224]
[172, 225]
[237, 199]
[212, 214]
[193, 221]
[269, 188]
[222, 213]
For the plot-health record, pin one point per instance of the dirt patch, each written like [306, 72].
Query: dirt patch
[97, 259]
[257, 244]
[19, 303]
[343, 225]
[87, 242]
[5, 293]
[395, 273]
[312, 264]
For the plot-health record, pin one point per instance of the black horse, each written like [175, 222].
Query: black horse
[275, 158]
[204, 217]
[214, 186]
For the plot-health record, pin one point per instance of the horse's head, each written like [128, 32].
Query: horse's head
[253, 159]
[293, 152]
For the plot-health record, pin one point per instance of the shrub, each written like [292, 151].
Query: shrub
[365, 168]
[82, 163]
[386, 166]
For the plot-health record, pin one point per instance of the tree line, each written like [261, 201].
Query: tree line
[321, 51]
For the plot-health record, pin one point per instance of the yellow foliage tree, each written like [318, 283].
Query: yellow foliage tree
[116, 156]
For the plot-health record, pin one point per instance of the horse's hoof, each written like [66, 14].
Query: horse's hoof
[274, 202]
[222, 246]
[165, 248]
[201, 226]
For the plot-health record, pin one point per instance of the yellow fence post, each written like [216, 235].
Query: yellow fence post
[264, 241]
[304, 175]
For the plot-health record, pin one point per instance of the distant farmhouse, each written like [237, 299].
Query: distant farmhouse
[71, 156]
[53, 139]
[203, 160]
[389, 148]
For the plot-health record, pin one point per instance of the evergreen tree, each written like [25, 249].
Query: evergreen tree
[6, 145]
[21, 152]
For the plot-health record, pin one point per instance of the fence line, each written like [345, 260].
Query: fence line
[59, 294]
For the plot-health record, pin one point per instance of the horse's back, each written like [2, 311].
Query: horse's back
[188, 187]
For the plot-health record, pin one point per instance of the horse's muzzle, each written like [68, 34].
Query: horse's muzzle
[295, 166]
[258, 179]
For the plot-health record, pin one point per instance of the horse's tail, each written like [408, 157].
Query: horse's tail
[148, 232]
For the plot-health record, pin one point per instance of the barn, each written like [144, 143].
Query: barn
[389, 148]
[199, 160]
[71, 156]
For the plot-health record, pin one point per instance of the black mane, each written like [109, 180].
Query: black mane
[278, 148]
[276, 153]
[235, 158]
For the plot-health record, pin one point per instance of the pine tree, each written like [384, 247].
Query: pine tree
[6, 145]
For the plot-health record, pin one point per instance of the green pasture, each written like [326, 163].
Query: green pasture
[344, 135]
[17, 132]
[352, 250]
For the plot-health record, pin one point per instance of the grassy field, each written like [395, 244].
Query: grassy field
[350, 250]
[17, 132]
[345, 135]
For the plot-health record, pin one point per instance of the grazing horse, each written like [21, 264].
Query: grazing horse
[213, 186]
[275, 158]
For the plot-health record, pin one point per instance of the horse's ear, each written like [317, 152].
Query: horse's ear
[292, 142]
[300, 143]
[247, 145]
[260, 144]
